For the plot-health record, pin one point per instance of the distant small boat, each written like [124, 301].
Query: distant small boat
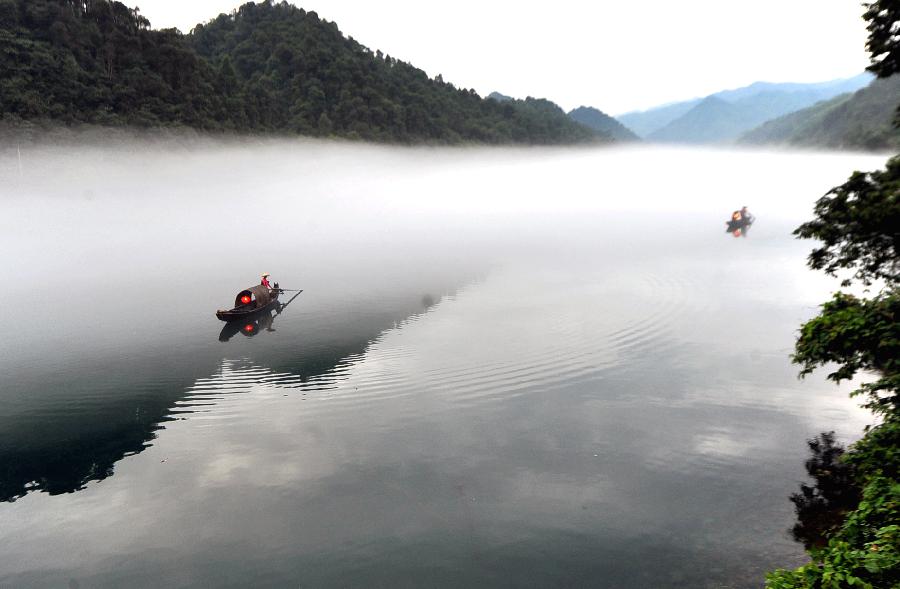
[251, 301]
[738, 224]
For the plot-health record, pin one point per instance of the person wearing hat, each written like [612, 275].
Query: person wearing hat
[265, 280]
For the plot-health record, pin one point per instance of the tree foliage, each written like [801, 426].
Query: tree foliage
[864, 551]
[858, 224]
[884, 37]
[99, 62]
[883, 44]
[857, 335]
[267, 67]
[855, 499]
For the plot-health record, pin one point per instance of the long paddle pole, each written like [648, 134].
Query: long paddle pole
[284, 306]
[292, 299]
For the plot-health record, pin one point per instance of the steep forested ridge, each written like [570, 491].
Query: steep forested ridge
[264, 68]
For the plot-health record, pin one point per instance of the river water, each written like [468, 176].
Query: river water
[547, 368]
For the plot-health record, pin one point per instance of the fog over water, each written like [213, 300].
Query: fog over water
[508, 366]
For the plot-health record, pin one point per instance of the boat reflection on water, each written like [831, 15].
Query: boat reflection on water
[248, 327]
[74, 430]
[740, 231]
[256, 323]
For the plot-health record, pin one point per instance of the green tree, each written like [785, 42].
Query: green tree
[324, 125]
[856, 503]
[227, 78]
[857, 224]
[884, 38]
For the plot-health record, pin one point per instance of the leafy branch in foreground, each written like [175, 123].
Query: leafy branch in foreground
[884, 39]
[856, 335]
[849, 520]
[857, 224]
[865, 550]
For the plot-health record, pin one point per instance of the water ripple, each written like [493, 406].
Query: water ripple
[452, 355]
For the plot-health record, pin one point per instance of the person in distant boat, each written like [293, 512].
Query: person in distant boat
[265, 280]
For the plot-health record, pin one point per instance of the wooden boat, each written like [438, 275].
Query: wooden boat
[255, 322]
[251, 301]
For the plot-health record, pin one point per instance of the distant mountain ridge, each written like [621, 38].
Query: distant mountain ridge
[602, 123]
[708, 121]
[733, 112]
[828, 88]
[643, 123]
[861, 120]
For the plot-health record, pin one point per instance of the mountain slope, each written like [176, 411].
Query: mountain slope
[707, 122]
[758, 102]
[602, 123]
[643, 123]
[265, 68]
[857, 121]
[308, 77]
[821, 90]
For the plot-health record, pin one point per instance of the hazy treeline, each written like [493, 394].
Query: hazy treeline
[264, 68]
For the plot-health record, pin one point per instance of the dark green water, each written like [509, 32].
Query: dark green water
[528, 368]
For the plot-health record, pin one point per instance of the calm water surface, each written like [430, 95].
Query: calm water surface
[542, 368]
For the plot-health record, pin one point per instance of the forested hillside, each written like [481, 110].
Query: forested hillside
[853, 121]
[270, 68]
[602, 123]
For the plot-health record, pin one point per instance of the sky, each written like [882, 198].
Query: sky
[617, 56]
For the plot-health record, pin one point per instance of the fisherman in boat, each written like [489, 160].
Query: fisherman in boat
[265, 280]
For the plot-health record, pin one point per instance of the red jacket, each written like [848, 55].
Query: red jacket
[265, 282]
